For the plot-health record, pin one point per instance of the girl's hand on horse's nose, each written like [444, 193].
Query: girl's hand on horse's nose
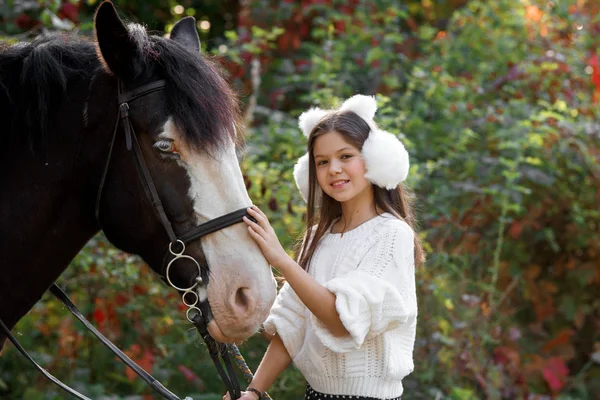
[263, 233]
[245, 396]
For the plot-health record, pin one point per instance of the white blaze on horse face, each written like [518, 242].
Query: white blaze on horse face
[240, 289]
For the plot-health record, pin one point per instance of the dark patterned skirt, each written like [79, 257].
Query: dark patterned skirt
[312, 394]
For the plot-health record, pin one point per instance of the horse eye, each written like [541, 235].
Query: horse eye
[166, 146]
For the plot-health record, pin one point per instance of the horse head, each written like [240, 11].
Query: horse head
[187, 133]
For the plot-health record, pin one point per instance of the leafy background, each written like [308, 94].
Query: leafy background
[497, 102]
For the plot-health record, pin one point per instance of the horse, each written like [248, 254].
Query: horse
[70, 108]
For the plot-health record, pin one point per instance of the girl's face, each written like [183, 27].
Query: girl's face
[340, 167]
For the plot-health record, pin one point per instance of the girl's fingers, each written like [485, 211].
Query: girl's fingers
[260, 219]
[248, 221]
[258, 210]
[254, 213]
[257, 227]
[255, 235]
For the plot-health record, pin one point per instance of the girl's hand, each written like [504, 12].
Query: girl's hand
[245, 396]
[263, 233]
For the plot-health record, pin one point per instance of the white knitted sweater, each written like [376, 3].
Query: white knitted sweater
[370, 269]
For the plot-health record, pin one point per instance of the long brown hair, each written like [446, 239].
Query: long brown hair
[397, 201]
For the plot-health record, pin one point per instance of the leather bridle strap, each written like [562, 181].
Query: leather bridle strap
[48, 375]
[132, 143]
[60, 295]
[123, 113]
[141, 91]
[214, 225]
[146, 178]
[153, 383]
[215, 350]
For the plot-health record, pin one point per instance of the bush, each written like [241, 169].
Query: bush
[498, 111]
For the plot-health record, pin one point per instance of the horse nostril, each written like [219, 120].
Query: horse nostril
[241, 299]
[244, 302]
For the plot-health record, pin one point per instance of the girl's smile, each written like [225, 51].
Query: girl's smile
[339, 183]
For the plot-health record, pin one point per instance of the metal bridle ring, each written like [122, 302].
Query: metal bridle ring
[182, 248]
[190, 292]
[179, 257]
[187, 313]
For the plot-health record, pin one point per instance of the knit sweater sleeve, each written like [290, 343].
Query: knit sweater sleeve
[287, 319]
[379, 294]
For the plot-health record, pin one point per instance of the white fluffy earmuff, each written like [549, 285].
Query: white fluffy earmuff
[363, 106]
[301, 176]
[309, 119]
[386, 159]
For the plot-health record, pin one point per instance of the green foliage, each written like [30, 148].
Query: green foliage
[497, 104]
[510, 192]
[498, 114]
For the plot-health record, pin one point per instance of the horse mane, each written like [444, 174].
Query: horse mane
[35, 77]
[202, 104]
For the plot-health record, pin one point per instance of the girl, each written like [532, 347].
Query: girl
[346, 316]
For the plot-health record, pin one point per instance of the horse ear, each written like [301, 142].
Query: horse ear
[185, 32]
[116, 47]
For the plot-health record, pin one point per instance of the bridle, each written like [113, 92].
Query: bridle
[198, 312]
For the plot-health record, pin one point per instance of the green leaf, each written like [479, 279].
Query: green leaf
[374, 54]
[568, 306]
[459, 393]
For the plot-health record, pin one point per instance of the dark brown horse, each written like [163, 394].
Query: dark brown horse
[58, 106]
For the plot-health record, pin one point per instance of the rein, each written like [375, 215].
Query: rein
[198, 312]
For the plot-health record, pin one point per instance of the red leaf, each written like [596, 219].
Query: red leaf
[189, 375]
[69, 11]
[24, 22]
[144, 358]
[506, 355]
[140, 290]
[99, 317]
[593, 62]
[555, 371]
[515, 229]
[121, 299]
[340, 26]
[561, 338]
